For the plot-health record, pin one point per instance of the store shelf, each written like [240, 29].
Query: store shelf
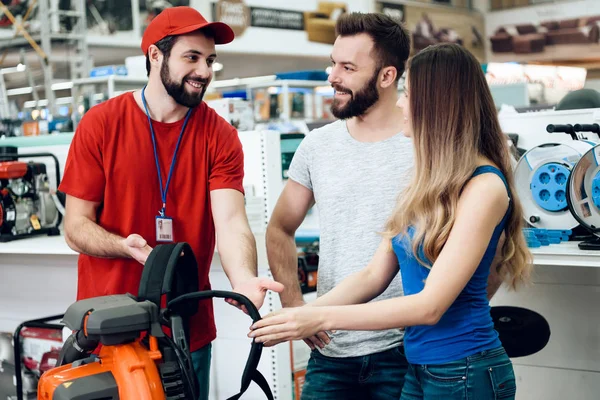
[125, 40]
[39, 245]
[113, 78]
[566, 254]
[20, 41]
[293, 83]
[35, 141]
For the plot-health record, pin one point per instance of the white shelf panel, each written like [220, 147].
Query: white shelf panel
[50, 245]
[566, 254]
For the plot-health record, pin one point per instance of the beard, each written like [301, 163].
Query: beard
[359, 102]
[178, 91]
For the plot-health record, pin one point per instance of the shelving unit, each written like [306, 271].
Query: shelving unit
[49, 36]
[40, 274]
[99, 89]
[286, 86]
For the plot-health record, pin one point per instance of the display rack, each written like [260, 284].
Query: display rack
[55, 269]
[97, 89]
[92, 91]
[286, 86]
[51, 34]
[564, 289]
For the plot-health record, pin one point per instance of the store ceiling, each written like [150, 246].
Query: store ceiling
[235, 65]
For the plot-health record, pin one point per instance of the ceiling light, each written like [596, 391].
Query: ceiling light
[217, 66]
[62, 86]
[19, 91]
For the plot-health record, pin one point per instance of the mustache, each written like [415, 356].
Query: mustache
[339, 88]
[203, 81]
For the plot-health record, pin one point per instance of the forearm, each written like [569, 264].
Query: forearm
[237, 250]
[360, 287]
[394, 313]
[87, 237]
[283, 261]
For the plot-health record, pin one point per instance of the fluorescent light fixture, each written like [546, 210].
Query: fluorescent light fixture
[27, 90]
[12, 70]
[225, 83]
[19, 91]
[32, 103]
[44, 102]
[62, 86]
[64, 100]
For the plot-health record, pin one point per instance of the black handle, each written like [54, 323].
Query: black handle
[595, 128]
[35, 155]
[562, 128]
[207, 294]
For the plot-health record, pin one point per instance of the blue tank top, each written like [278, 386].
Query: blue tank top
[466, 327]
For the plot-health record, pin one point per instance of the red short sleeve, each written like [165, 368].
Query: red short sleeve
[227, 167]
[84, 171]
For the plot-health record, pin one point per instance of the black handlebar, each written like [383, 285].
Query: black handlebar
[207, 294]
[595, 128]
[562, 129]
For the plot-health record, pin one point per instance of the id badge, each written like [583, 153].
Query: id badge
[164, 229]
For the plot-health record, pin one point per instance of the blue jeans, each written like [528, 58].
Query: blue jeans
[487, 375]
[201, 362]
[378, 376]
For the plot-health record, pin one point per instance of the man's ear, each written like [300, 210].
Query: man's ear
[388, 76]
[154, 55]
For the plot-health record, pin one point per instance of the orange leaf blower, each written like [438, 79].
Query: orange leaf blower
[137, 360]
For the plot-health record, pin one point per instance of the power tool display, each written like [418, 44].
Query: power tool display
[583, 196]
[541, 178]
[137, 360]
[28, 205]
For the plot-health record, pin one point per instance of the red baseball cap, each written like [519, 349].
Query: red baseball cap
[181, 20]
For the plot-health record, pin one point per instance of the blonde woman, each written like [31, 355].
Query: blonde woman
[458, 220]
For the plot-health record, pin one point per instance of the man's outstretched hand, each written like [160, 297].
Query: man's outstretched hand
[255, 289]
[137, 248]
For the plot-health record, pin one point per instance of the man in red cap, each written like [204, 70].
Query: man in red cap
[158, 165]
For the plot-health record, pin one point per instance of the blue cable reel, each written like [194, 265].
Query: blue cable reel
[549, 185]
[583, 191]
[542, 176]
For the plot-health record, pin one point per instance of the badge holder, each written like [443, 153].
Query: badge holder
[164, 229]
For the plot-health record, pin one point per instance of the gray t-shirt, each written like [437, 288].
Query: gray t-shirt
[355, 185]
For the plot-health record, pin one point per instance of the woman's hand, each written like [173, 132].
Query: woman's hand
[289, 324]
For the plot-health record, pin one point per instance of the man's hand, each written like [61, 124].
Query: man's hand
[137, 248]
[320, 340]
[255, 289]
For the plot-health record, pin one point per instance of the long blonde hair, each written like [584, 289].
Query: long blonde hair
[454, 122]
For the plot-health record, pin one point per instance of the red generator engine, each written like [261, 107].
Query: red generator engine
[27, 204]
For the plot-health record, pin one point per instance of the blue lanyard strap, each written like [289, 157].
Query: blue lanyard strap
[163, 193]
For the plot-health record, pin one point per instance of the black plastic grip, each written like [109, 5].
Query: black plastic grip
[551, 128]
[595, 128]
[207, 294]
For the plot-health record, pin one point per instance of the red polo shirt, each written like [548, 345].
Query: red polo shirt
[111, 161]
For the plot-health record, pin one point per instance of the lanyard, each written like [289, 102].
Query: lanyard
[163, 193]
